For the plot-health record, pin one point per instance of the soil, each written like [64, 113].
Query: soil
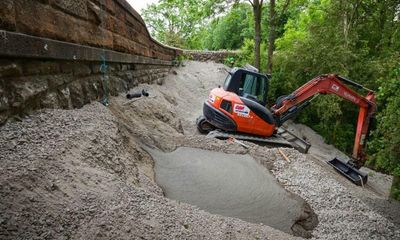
[83, 174]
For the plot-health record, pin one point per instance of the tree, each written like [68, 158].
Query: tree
[271, 38]
[257, 12]
[230, 31]
[179, 22]
[273, 22]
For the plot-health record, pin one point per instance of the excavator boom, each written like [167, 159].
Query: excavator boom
[288, 107]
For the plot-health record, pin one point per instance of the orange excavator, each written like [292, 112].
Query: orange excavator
[237, 109]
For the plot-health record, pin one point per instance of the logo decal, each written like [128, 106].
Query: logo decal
[211, 98]
[350, 97]
[335, 87]
[241, 110]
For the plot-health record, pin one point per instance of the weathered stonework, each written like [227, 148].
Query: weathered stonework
[114, 25]
[51, 52]
[76, 7]
[66, 84]
[7, 15]
[215, 56]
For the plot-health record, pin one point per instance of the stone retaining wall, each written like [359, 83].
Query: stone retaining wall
[204, 56]
[51, 52]
[26, 85]
[112, 24]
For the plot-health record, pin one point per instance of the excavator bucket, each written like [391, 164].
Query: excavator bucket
[353, 174]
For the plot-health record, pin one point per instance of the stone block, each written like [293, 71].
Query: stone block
[50, 100]
[30, 21]
[4, 104]
[7, 15]
[77, 68]
[95, 67]
[24, 88]
[112, 67]
[95, 36]
[123, 44]
[129, 76]
[3, 117]
[139, 73]
[64, 98]
[41, 67]
[10, 68]
[91, 87]
[95, 13]
[120, 13]
[109, 5]
[75, 7]
[125, 67]
[117, 85]
[76, 94]
[58, 25]
[57, 80]
[135, 24]
[82, 69]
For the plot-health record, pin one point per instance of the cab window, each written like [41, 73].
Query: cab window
[253, 87]
[227, 81]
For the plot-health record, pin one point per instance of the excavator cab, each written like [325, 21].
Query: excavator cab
[248, 84]
[239, 105]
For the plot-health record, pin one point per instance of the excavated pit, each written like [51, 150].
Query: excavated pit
[231, 185]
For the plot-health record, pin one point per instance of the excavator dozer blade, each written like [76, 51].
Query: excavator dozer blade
[353, 174]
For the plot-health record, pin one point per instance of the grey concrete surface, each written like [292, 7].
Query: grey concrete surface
[227, 184]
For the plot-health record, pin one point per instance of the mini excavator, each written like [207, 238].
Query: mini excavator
[238, 110]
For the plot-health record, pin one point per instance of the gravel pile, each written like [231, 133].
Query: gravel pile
[341, 214]
[77, 174]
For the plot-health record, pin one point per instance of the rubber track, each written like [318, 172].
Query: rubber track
[282, 138]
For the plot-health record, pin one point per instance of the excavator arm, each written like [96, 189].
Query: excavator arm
[289, 106]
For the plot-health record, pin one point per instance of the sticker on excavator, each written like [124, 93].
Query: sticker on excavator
[335, 87]
[211, 98]
[241, 110]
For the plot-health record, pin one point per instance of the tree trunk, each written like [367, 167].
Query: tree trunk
[271, 37]
[257, 10]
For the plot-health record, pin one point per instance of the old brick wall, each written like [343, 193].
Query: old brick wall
[51, 52]
[112, 24]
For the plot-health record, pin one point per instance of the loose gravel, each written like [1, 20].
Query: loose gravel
[341, 214]
[73, 174]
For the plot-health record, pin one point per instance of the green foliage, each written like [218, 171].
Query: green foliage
[230, 30]
[179, 23]
[247, 54]
[341, 37]
[395, 190]
[385, 146]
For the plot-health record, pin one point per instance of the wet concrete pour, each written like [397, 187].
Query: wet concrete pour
[227, 184]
